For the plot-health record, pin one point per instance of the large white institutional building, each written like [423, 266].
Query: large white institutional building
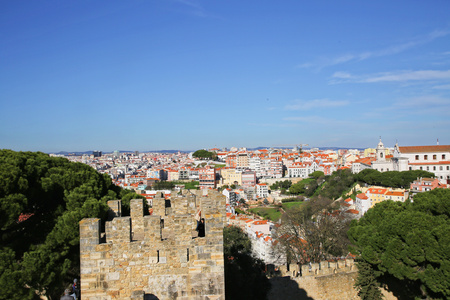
[435, 159]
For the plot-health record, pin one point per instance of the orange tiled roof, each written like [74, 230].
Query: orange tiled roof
[421, 149]
[432, 163]
[362, 196]
[377, 191]
[395, 194]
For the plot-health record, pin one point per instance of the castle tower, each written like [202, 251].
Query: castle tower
[158, 255]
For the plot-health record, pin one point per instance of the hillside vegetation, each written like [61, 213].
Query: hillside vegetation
[42, 199]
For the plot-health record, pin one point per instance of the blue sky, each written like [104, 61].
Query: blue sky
[186, 74]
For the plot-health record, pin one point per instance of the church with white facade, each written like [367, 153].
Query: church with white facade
[434, 159]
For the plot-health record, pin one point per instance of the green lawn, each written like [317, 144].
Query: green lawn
[219, 165]
[191, 185]
[267, 213]
[288, 205]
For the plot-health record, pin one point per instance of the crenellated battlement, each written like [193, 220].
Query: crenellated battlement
[159, 254]
[322, 268]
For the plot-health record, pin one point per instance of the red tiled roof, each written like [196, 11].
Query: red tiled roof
[395, 194]
[421, 149]
[432, 163]
[362, 196]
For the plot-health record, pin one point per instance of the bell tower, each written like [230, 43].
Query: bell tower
[381, 151]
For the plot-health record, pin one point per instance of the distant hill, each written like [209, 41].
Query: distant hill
[78, 153]
[67, 153]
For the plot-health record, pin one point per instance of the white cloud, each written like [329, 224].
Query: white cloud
[408, 76]
[390, 50]
[308, 119]
[398, 76]
[442, 87]
[342, 75]
[196, 9]
[315, 104]
[423, 102]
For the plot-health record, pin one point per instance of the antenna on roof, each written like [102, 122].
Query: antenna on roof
[438, 142]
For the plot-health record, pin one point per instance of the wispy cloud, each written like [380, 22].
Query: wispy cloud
[442, 87]
[437, 103]
[315, 104]
[390, 50]
[398, 76]
[419, 109]
[410, 75]
[195, 8]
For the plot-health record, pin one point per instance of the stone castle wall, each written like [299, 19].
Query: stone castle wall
[157, 256]
[319, 269]
[327, 280]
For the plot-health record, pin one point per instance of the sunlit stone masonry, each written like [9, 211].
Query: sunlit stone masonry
[157, 256]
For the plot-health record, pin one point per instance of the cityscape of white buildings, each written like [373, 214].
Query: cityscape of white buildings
[246, 175]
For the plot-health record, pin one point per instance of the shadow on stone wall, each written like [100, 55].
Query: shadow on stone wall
[150, 297]
[284, 288]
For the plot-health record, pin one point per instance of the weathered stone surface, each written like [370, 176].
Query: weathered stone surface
[155, 256]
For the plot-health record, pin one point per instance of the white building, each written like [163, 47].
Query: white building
[435, 159]
[298, 169]
[362, 204]
[262, 190]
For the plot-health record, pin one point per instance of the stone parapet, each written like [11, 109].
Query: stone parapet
[319, 269]
[157, 255]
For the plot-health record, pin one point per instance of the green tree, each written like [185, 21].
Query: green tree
[336, 184]
[163, 185]
[281, 185]
[391, 178]
[317, 174]
[406, 246]
[203, 154]
[244, 274]
[42, 199]
[312, 232]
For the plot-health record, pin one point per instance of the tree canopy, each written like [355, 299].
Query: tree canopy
[244, 274]
[204, 154]
[312, 232]
[406, 247]
[281, 185]
[42, 199]
[394, 179]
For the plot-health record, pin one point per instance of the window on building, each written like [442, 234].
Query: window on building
[417, 157]
[421, 168]
[440, 168]
[443, 156]
[434, 168]
[428, 168]
[425, 157]
[434, 156]
[410, 168]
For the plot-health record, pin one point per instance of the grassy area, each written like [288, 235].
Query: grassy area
[219, 165]
[289, 205]
[267, 213]
[191, 185]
